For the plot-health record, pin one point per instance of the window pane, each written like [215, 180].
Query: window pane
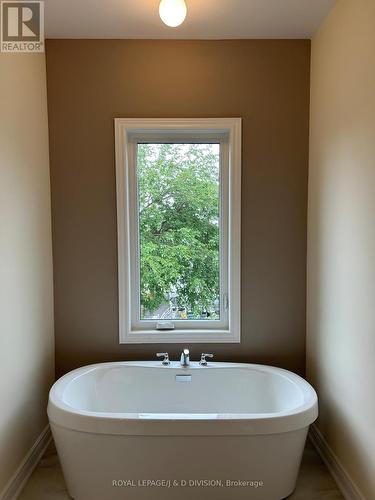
[179, 231]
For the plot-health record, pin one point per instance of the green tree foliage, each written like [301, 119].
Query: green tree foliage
[178, 187]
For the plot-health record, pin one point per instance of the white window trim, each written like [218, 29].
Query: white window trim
[126, 129]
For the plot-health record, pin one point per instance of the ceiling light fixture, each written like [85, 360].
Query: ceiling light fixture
[172, 12]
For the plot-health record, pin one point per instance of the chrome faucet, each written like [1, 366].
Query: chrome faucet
[185, 358]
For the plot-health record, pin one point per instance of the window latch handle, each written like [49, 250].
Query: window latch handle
[226, 301]
[165, 325]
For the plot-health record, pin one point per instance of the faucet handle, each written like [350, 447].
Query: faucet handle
[164, 355]
[203, 361]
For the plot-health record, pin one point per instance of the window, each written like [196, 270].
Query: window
[178, 213]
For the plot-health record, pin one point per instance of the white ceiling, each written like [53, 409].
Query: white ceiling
[215, 19]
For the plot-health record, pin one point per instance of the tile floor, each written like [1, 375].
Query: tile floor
[314, 483]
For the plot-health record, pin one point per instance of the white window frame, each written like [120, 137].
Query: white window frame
[227, 131]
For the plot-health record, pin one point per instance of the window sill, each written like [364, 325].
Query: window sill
[182, 336]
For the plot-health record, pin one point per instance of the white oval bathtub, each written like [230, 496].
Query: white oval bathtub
[140, 430]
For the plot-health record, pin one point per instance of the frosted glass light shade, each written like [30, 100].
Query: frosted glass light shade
[172, 12]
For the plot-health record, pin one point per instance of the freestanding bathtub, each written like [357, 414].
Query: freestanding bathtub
[142, 431]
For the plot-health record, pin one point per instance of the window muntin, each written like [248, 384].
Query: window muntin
[131, 135]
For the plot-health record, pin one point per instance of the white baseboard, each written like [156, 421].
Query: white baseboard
[344, 482]
[16, 483]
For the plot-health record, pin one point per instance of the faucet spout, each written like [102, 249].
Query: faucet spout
[185, 358]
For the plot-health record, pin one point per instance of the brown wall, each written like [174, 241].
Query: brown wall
[266, 82]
